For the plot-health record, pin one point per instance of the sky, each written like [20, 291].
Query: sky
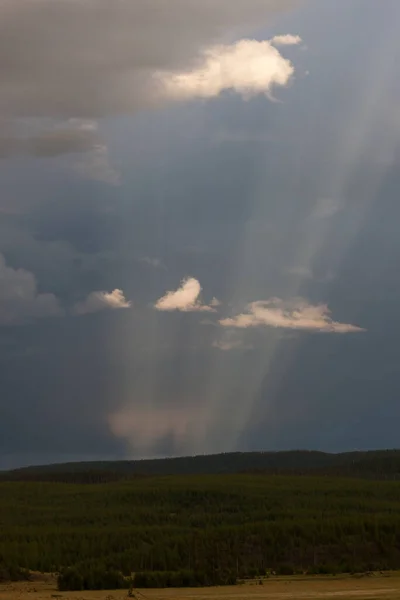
[199, 208]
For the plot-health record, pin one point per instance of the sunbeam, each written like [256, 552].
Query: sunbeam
[311, 231]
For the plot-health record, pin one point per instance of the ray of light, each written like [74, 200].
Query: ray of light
[222, 419]
[355, 136]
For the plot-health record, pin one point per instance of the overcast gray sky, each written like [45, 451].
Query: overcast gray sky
[198, 227]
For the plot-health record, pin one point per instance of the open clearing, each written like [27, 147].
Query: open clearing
[369, 588]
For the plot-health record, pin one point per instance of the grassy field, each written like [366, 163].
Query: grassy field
[375, 587]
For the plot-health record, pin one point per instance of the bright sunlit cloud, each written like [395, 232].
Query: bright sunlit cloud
[186, 298]
[296, 314]
[97, 301]
[248, 67]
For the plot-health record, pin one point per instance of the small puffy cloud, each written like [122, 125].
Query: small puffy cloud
[97, 301]
[296, 314]
[20, 300]
[186, 298]
[286, 40]
[248, 67]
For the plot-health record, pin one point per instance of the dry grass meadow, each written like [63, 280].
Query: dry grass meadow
[375, 587]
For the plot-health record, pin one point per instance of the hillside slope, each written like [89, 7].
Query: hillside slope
[381, 464]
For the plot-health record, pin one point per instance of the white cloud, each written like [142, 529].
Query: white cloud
[286, 40]
[186, 298]
[96, 301]
[295, 314]
[19, 297]
[248, 67]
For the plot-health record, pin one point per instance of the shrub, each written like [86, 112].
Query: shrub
[13, 573]
[78, 579]
[70, 580]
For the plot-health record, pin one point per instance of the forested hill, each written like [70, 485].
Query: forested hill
[380, 464]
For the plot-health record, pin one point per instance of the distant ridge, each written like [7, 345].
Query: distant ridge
[377, 464]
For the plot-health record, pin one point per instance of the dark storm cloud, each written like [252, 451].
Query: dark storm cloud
[61, 141]
[51, 143]
[82, 220]
[67, 380]
[56, 389]
[253, 199]
[20, 299]
[89, 58]
[351, 404]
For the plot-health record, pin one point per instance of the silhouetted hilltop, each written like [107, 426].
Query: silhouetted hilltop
[380, 464]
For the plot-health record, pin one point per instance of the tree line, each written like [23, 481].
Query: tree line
[377, 464]
[198, 530]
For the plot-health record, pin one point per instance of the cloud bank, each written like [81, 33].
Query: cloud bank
[97, 301]
[186, 298]
[79, 136]
[296, 314]
[91, 58]
[80, 60]
[75, 135]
